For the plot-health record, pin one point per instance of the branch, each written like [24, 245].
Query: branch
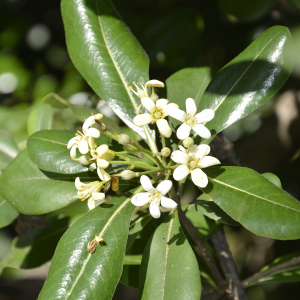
[272, 270]
[228, 266]
[198, 242]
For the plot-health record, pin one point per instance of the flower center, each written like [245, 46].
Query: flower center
[158, 115]
[193, 163]
[156, 195]
[190, 120]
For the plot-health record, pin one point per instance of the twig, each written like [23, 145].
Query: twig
[216, 294]
[272, 270]
[198, 242]
[228, 266]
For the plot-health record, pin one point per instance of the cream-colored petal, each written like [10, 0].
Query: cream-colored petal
[88, 122]
[93, 132]
[202, 150]
[168, 107]
[155, 83]
[182, 149]
[78, 184]
[205, 115]
[191, 108]
[143, 119]
[146, 184]
[91, 203]
[73, 151]
[180, 157]
[101, 150]
[102, 163]
[103, 175]
[181, 172]
[193, 149]
[92, 143]
[202, 131]
[141, 199]
[208, 161]
[199, 178]
[183, 131]
[164, 127]
[164, 187]
[83, 147]
[84, 159]
[177, 114]
[149, 104]
[72, 141]
[161, 103]
[168, 203]
[98, 196]
[154, 209]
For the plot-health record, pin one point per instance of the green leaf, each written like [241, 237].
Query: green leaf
[188, 83]
[273, 178]
[169, 268]
[74, 271]
[7, 213]
[8, 148]
[31, 252]
[249, 80]
[40, 118]
[31, 191]
[254, 201]
[106, 54]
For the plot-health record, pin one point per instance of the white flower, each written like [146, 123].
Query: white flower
[191, 120]
[83, 141]
[192, 160]
[142, 93]
[154, 196]
[91, 122]
[102, 155]
[90, 191]
[157, 113]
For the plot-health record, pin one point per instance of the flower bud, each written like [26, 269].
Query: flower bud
[188, 142]
[165, 152]
[154, 97]
[127, 175]
[84, 159]
[124, 139]
[99, 116]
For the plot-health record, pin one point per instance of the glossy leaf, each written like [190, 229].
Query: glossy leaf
[249, 80]
[169, 268]
[32, 191]
[188, 83]
[8, 148]
[40, 118]
[7, 213]
[74, 272]
[254, 201]
[106, 54]
[33, 251]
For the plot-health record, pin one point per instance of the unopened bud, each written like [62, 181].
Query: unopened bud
[99, 117]
[124, 139]
[165, 152]
[188, 142]
[127, 175]
[84, 159]
[154, 97]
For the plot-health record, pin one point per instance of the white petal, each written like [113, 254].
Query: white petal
[181, 172]
[143, 119]
[102, 163]
[164, 186]
[168, 107]
[88, 122]
[161, 103]
[205, 115]
[168, 203]
[98, 196]
[191, 108]
[202, 150]
[146, 184]
[149, 104]
[102, 149]
[103, 175]
[83, 147]
[92, 143]
[91, 203]
[208, 161]
[177, 114]
[73, 151]
[155, 83]
[183, 131]
[154, 209]
[72, 141]
[141, 199]
[78, 184]
[164, 127]
[93, 132]
[202, 131]
[199, 178]
[84, 159]
[192, 150]
[182, 149]
[180, 158]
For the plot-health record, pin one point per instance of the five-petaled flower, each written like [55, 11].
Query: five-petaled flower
[191, 120]
[154, 196]
[90, 191]
[157, 113]
[192, 160]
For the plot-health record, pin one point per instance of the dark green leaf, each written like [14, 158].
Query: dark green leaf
[249, 80]
[74, 272]
[7, 213]
[254, 201]
[40, 118]
[8, 148]
[31, 252]
[31, 191]
[169, 268]
[106, 54]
